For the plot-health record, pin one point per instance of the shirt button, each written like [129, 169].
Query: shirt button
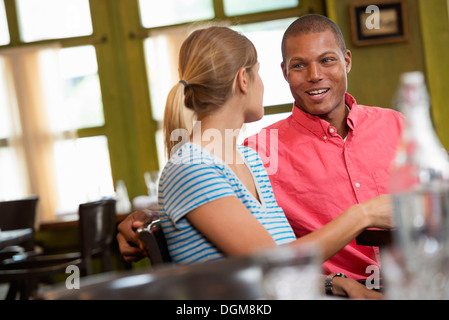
[331, 130]
[357, 185]
[325, 137]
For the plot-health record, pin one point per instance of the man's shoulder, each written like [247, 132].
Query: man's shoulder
[373, 110]
[381, 110]
[380, 113]
[376, 119]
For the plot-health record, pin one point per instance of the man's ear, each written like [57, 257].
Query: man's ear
[242, 81]
[284, 70]
[348, 61]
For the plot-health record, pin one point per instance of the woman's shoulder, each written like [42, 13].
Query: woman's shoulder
[193, 161]
[248, 152]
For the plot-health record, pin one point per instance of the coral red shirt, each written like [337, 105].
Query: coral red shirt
[316, 174]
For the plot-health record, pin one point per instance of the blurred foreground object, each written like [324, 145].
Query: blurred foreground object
[284, 273]
[420, 189]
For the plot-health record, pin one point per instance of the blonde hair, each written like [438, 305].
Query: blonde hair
[209, 61]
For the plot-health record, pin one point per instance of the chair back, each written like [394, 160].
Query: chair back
[155, 243]
[97, 225]
[19, 214]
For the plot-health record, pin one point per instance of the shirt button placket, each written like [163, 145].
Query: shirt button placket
[356, 185]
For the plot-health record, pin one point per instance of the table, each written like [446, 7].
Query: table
[14, 237]
[69, 221]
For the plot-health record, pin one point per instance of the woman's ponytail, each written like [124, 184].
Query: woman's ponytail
[175, 128]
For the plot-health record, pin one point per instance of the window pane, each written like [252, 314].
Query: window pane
[161, 13]
[237, 7]
[162, 52]
[83, 171]
[254, 127]
[267, 37]
[12, 184]
[13, 180]
[52, 19]
[5, 118]
[4, 33]
[79, 71]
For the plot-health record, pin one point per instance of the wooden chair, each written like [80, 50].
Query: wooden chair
[97, 225]
[155, 243]
[19, 214]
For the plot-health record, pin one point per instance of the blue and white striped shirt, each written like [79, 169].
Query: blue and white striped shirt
[193, 177]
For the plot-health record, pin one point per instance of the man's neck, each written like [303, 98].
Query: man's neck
[338, 120]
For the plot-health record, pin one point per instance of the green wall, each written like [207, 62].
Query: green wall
[435, 28]
[376, 69]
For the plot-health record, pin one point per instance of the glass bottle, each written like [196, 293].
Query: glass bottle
[420, 190]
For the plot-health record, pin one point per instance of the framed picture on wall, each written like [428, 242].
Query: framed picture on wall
[378, 22]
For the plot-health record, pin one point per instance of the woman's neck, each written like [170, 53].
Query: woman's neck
[218, 133]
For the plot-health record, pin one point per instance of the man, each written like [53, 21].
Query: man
[332, 153]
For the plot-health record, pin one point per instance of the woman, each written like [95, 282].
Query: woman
[215, 197]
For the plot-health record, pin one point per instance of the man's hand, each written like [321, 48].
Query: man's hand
[354, 290]
[131, 248]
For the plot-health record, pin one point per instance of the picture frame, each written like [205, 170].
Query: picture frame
[379, 22]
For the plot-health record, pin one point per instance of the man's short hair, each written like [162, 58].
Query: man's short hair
[313, 23]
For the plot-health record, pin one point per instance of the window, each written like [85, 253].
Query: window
[83, 160]
[100, 71]
[53, 140]
[237, 7]
[267, 37]
[11, 184]
[5, 124]
[164, 41]
[52, 19]
[79, 71]
[4, 33]
[162, 13]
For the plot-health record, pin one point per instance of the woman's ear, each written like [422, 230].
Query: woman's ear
[242, 80]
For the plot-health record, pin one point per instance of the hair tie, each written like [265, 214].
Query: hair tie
[184, 83]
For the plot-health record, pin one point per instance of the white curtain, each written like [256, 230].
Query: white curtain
[38, 120]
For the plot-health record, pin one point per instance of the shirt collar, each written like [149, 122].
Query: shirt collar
[316, 125]
[353, 114]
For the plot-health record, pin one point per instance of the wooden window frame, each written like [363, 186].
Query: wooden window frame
[118, 37]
